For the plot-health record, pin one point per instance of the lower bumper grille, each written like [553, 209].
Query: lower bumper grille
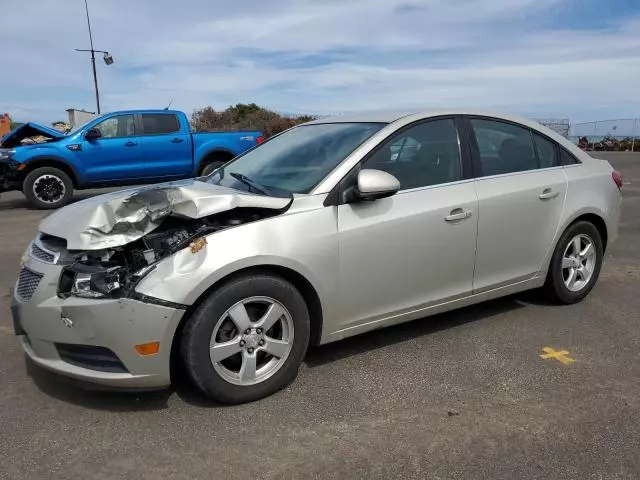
[93, 358]
[27, 283]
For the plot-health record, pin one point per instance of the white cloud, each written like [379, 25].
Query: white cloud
[328, 56]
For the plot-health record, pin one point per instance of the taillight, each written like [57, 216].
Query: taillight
[260, 139]
[617, 178]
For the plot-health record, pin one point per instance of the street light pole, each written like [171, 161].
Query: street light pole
[108, 59]
[93, 57]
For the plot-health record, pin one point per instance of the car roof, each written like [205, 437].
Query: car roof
[390, 116]
[133, 112]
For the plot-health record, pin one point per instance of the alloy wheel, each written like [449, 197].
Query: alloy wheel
[49, 188]
[251, 341]
[578, 262]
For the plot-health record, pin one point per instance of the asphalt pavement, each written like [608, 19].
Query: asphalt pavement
[459, 395]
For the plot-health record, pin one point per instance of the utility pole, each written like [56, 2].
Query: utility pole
[108, 59]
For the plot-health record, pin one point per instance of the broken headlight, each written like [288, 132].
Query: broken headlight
[92, 280]
[6, 154]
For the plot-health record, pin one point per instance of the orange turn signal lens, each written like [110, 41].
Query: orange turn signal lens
[22, 166]
[148, 348]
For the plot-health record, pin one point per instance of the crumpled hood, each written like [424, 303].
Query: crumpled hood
[118, 218]
[26, 130]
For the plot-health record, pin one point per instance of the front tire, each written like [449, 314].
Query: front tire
[48, 187]
[247, 339]
[575, 265]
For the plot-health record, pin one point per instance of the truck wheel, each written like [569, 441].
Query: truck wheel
[210, 167]
[246, 340]
[48, 187]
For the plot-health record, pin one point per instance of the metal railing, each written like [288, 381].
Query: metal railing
[607, 135]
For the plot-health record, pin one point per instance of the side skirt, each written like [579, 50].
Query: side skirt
[529, 284]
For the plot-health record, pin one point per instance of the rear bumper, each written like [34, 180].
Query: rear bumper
[613, 214]
[47, 323]
[613, 226]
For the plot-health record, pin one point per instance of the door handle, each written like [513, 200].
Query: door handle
[176, 140]
[547, 193]
[130, 144]
[457, 214]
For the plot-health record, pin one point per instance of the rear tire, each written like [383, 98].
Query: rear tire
[210, 167]
[48, 187]
[575, 264]
[231, 377]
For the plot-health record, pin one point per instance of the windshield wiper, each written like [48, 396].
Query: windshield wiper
[250, 183]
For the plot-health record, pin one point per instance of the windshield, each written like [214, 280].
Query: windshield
[80, 125]
[295, 161]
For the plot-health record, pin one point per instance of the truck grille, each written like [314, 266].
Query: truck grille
[27, 283]
[41, 254]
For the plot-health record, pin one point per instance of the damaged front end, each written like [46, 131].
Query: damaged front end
[128, 233]
[114, 272]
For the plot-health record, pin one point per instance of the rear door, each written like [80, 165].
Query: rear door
[117, 155]
[166, 146]
[416, 248]
[521, 192]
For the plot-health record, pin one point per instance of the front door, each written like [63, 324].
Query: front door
[117, 155]
[416, 248]
[521, 191]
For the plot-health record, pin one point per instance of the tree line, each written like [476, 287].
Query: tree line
[244, 117]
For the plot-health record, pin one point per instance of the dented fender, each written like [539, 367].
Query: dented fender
[303, 239]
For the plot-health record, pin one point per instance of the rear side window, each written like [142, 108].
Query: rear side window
[566, 158]
[158, 124]
[503, 147]
[546, 151]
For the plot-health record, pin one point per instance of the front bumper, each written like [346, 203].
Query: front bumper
[10, 177]
[47, 322]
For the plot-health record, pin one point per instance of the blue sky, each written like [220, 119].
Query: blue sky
[577, 59]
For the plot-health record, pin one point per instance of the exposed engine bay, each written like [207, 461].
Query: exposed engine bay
[114, 272]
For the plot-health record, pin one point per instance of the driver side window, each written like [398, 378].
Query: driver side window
[117, 127]
[422, 155]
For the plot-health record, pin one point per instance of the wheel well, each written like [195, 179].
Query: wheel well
[305, 288]
[216, 156]
[52, 163]
[597, 222]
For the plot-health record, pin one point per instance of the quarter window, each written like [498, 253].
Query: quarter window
[546, 151]
[118, 126]
[158, 124]
[425, 154]
[503, 147]
[566, 158]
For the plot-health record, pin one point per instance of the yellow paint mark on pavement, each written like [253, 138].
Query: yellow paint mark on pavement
[561, 355]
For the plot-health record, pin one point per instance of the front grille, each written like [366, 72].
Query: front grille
[40, 254]
[88, 356]
[27, 283]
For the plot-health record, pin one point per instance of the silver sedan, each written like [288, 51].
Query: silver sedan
[328, 230]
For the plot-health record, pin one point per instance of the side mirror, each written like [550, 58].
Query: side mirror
[92, 134]
[375, 184]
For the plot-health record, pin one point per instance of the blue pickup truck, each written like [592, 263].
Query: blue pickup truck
[119, 148]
